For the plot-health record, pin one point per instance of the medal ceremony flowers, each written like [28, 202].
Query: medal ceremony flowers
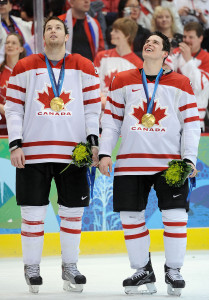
[177, 173]
[82, 156]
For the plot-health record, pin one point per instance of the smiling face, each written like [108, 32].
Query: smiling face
[153, 48]
[13, 46]
[192, 40]
[134, 7]
[163, 20]
[54, 34]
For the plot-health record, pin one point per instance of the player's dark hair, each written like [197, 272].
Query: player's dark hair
[166, 43]
[57, 19]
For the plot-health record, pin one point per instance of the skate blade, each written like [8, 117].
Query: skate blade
[34, 289]
[75, 288]
[174, 291]
[132, 290]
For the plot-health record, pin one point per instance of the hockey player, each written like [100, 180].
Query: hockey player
[156, 114]
[53, 103]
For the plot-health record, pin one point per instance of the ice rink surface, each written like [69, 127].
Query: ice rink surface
[105, 274]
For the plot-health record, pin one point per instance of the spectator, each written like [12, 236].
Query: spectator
[110, 6]
[131, 9]
[192, 61]
[147, 10]
[85, 35]
[193, 11]
[121, 58]
[10, 24]
[163, 21]
[13, 52]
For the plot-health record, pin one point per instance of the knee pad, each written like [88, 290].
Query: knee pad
[67, 212]
[175, 220]
[34, 213]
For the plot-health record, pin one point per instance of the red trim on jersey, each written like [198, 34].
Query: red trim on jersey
[68, 230]
[136, 236]
[16, 87]
[75, 219]
[144, 10]
[133, 226]
[201, 120]
[175, 223]
[41, 156]
[192, 119]
[32, 222]
[136, 169]
[91, 88]
[190, 105]
[115, 103]
[49, 143]
[96, 100]
[32, 234]
[108, 112]
[147, 155]
[18, 101]
[175, 235]
[201, 109]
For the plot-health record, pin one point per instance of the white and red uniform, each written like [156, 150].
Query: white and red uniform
[4, 79]
[197, 70]
[109, 63]
[47, 135]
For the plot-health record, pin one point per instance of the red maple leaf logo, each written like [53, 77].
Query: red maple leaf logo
[158, 113]
[108, 79]
[45, 98]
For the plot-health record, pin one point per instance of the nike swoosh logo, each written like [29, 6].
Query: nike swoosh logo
[135, 90]
[83, 198]
[39, 73]
[174, 196]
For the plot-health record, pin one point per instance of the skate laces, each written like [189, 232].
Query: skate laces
[140, 272]
[174, 274]
[32, 270]
[71, 269]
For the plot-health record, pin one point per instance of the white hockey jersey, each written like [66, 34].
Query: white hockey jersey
[175, 134]
[197, 70]
[47, 135]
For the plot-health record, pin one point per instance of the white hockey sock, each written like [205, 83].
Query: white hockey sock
[136, 237]
[175, 236]
[32, 233]
[70, 232]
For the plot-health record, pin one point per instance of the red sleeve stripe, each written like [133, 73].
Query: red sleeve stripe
[136, 236]
[175, 223]
[192, 119]
[42, 156]
[91, 88]
[201, 109]
[133, 226]
[175, 235]
[147, 155]
[97, 100]
[115, 103]
[75, 219]
[49, 143]
[18, 101]
[16, 87]
[32, 234]
[108, 112]
[68, 230]
[140, 169]
[32, 222]
[190, 105]
[201, 120]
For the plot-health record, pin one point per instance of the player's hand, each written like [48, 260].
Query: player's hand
[18, 158]
[105, 166]
[185, 51]
[95, 158]
[194, 170]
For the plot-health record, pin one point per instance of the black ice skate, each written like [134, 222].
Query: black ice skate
[73, 279]
[174, 280]
[32, 277]
[142, 276]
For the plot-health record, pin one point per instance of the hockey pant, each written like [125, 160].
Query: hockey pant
[137, 237]
[32, 233]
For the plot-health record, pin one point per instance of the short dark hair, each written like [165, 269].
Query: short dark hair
[166, 43]
[197, 27]
[57, 19]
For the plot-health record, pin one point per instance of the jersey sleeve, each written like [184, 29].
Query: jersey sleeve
[15, 102]
[113, 117]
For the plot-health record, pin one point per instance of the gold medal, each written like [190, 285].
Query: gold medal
[148, 120]
[57, 104]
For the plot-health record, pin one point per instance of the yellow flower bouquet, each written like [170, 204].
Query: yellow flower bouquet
[177, 173]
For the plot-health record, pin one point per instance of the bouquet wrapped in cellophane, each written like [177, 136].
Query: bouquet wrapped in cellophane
[177, 173]
[82, 156]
